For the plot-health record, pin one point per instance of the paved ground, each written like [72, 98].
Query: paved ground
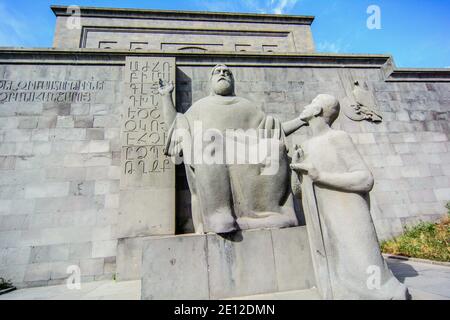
[426, 281]
[98, 290]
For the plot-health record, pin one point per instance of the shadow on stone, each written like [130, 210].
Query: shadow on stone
[183, 91]
[401, 270]
[299, 212]
[184, 224]
[232, 236]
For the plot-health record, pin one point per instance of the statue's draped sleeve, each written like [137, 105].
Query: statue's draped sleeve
[271, 128]
[177, 135]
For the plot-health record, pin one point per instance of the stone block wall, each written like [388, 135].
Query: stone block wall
[409, 154]
[59, 164]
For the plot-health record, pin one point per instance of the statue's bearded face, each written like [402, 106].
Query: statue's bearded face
[222, 81]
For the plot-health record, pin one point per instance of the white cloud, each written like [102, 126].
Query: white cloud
[327, 46]
[254, 5]
[282, 6]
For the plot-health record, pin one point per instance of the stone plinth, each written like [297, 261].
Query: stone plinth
[218, 267]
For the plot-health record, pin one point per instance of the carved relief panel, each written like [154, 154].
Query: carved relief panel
[144, 130]
[147, 201]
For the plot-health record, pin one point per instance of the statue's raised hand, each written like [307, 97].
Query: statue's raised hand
[165, 88]
[298, 155]
[301, 166]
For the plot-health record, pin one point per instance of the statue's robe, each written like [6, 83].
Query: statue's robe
[227, 197]
[349, 239]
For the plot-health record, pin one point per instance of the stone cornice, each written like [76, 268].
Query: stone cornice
[185, 15]
[419, 75]
[311, 60]
[105, 56]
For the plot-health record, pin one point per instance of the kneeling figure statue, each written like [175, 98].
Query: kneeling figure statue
[334, 184]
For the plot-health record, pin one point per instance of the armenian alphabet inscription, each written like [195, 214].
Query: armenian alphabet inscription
[49, 91]
[144, 130]
[147, 180]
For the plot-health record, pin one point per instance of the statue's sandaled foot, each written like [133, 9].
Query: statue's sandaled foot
[220, 221]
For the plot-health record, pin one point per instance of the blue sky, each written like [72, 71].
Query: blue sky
[415, 32]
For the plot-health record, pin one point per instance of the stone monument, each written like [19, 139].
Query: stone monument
[335, 184]
[88, 129]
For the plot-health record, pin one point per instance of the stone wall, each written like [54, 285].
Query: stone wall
[60, 145]
[59, 181]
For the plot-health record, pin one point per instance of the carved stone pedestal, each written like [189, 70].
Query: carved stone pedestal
[216, 267]
[147, 181]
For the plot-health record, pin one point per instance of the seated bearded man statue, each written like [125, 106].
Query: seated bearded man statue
[229, 191]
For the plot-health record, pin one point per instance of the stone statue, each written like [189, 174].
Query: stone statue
[229, 196]
[334, 184]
